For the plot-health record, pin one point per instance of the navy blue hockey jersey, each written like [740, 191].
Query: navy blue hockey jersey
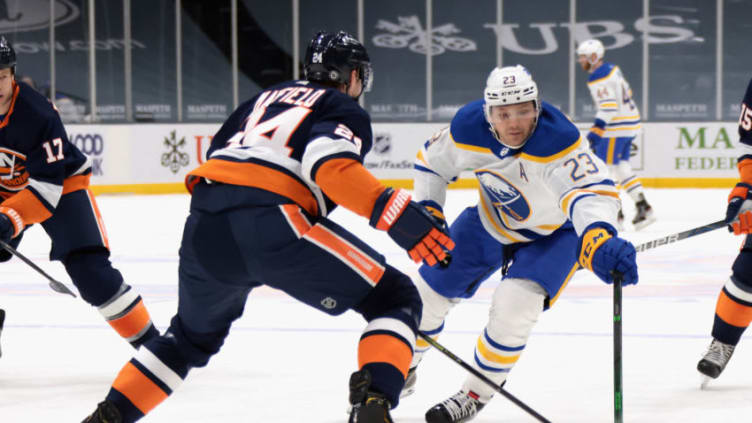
[37, 162]
[278, 140]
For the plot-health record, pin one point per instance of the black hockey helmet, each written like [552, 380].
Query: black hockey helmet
[7, 55]
[331, 57]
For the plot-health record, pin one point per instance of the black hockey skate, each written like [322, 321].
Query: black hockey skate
[715, 360]
[644, 215]
[106, 412]
[367, 406]
[460, 407]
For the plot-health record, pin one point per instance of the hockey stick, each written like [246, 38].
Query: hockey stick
[483, 378]
[670, 239]
[54, 284]
[618, 393]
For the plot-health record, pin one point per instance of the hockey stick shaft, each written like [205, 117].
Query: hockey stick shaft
[670, 239]
[483, 378]
[618, 393]
[54, 284]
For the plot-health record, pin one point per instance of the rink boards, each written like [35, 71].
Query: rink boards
[154, 158]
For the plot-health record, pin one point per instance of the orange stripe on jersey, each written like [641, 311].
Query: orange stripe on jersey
[385, 349]
[258, 176]
[75, 183]
[138, 388]
[4, 123]
[26, 204]
[732, 312]
[745, 170]
[100, 221]
[296, 219]
[136, 320]
[350, 185]
[370, 269]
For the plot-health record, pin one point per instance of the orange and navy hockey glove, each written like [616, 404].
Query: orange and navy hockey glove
[739, 209]
[11, 224]
[607, 255]
[411, 226]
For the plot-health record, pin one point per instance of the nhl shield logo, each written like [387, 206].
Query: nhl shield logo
[504, 196]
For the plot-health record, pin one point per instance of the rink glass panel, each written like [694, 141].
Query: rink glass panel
[264, 45]
[682, 64]
[537, 38]
[154, 61]
[614, 24]
[207, 60]
[737, 59]
[395, 39]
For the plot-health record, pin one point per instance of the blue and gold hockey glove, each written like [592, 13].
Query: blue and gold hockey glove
[411, 226]
[604, 254]
[738, 211]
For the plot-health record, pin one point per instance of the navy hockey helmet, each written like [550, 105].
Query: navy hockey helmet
[7, 55]
[331, 57]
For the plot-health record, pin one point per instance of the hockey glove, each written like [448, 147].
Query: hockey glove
[410, 226]
[603, 254]
[435, 210]
[10, 224]
[739, 209]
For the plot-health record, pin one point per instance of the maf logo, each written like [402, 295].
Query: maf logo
[13, 174]
[174, 159]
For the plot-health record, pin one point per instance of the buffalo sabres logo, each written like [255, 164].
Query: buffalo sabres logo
[13, 174]
[504, 196]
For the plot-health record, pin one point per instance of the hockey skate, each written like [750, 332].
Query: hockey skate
[367, 406]
[106, 412]
[460, 407]
[715, 360]
[409, 387]
[620, 221]
[644, 215]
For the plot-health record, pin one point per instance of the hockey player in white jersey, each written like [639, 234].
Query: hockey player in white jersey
[617, 123]
[547, 207]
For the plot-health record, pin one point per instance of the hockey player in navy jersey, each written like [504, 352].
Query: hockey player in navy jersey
[617, 123]
[733, 310]
[44, 179]
[547, 207]
[277, 167]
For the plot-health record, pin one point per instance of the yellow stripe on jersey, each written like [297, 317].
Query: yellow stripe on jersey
[421, 158]
[604, 78]
[469, 147]
[634, 117]
[607, 105]
[607, 190]
[552, 157]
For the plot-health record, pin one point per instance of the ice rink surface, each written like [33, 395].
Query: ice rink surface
[284, 362]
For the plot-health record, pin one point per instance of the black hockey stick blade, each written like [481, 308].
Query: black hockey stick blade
[482, 377]
[670, 239]
[54, 284]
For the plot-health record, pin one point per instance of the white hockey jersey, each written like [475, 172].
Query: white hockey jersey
[526, 193]
[617, 114]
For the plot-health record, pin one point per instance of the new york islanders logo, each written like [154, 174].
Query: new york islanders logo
[13, 174]
[504, 196]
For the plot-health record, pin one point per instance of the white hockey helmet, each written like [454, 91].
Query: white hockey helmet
[509, 85]
[588, 47]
